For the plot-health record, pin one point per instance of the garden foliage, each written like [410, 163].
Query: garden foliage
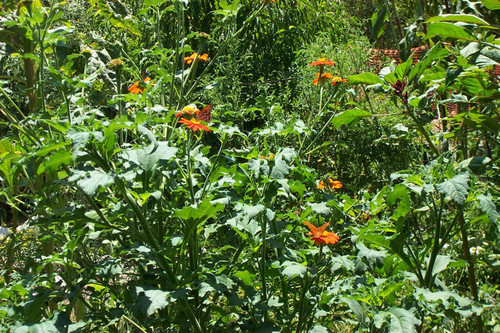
[216, 166]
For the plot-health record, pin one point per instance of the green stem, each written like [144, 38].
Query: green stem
[422, 131]
[263, 260]
[207, 180]
[437, 235]
[470, 268]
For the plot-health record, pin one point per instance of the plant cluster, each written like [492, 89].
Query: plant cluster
[236, 167]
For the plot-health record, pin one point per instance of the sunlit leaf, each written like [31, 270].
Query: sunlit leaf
[467, 18]
[364, 78]
[402, 321]
[489, 207]
[292, 269]
[350, 117]
[151, 300]
[448, 30]
[93, 180]
[456, 188]
[491, 4]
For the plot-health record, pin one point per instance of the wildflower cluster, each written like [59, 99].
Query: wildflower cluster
[192, 57]
[138, 87]
[323, 77]
[332, 184]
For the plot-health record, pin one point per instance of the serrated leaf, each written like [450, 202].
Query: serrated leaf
[350, 117]
[93, 180]
[489, 207]
[292, 269]
[456, 188]
[320, 208]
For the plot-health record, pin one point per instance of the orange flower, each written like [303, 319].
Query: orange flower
[194, 124]
[334, 184]
[271, 156]
[322, 79]
[337, 79]
[138, 87]
[319, 235]
[322, 62]
[190, 59]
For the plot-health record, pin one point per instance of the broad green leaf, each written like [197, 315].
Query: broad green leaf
[403, 68]
[440, 264]
[403, 209]
[467, 18]
[491, 4]
[489, 207]
[448, 30]
[350, 117]
[93, 180]
[442, 297]
[280, 169]
[55, 161]
[194, 215]
[479, 120]
[456, 188]
[292, 269]
[58, 323]
[152, 300]
[245, 276]
[150, 3]
[371, 256]
[356, 308]
[320, 208]
[318, 329]
[476, 164]
[378, 19]
[402, 321]
[365, 78]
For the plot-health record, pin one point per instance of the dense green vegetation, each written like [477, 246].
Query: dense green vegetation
[218, 166]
